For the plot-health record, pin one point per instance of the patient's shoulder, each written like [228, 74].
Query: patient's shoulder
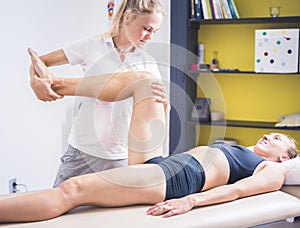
[270, 165]
[292, 167]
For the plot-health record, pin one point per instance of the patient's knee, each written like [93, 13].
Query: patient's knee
[71, 189]
[146, 75]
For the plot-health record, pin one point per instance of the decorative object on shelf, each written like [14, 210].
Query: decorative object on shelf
[274, 11]
[110, 8]
[291, 120]
[276, 50]
[195, 67]
[201, 110]
[201, 53]
[215, 62]
[216, 116]
[200, 67]
[229, 141]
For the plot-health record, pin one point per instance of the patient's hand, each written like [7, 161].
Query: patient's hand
[42, 79]
[171, 207]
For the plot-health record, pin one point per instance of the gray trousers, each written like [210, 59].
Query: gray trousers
[74, 163]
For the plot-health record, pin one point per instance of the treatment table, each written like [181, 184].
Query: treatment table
[246, 212]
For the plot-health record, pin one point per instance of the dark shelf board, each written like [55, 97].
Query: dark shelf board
[244, 124]
[236, 72]
[258, 20]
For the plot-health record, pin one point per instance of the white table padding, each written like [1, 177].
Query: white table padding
[244, 212]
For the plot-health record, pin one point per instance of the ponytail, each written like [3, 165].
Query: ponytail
[136, 7]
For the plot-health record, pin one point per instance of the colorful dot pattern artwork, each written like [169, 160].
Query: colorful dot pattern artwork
[276, 50]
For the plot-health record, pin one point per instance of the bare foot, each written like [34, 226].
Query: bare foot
[42, 79]
[40, 68]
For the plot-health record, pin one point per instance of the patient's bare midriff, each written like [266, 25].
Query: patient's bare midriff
[214, 163]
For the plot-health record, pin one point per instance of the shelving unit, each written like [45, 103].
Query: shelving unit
[197, 72]
[182, 135]
[257, 20]
[245, 124]
[250, 21]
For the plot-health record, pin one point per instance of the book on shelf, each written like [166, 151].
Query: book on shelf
[225, 9]
[205, 10]
[217, 9]
[192, 9]
[214, 9]
[209, 9]
[213, 16]
[233, 9]
[196, 11]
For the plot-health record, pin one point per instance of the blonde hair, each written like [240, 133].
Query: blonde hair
[137, 7]
[292, 150]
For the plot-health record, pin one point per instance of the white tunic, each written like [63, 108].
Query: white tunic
[101, 128]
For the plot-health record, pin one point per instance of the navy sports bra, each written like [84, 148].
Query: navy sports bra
[242, 161]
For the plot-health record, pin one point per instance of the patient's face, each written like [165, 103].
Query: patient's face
[273, 146]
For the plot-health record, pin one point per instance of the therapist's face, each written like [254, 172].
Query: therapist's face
[140, 28]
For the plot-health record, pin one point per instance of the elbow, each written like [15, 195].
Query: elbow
[236, 191]
[277, 185]
[240, 191]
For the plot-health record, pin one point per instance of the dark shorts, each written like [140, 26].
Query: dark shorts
[184, 174]
[75, 162]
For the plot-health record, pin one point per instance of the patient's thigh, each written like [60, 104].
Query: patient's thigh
[142, 175]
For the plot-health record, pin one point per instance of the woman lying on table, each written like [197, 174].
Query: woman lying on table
[201, 176]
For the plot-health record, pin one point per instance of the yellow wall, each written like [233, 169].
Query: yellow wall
[260, 8]
[257, 97]
[245, 136]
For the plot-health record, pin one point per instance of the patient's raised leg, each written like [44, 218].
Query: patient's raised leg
[147, 129]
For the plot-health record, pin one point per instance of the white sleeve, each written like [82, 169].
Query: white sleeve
[152, 67]
[76, 52]
[155, 70]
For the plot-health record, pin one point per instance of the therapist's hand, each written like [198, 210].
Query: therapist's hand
[160, 91]
[42, 79]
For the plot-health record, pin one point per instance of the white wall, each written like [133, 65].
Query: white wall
[33, 133]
